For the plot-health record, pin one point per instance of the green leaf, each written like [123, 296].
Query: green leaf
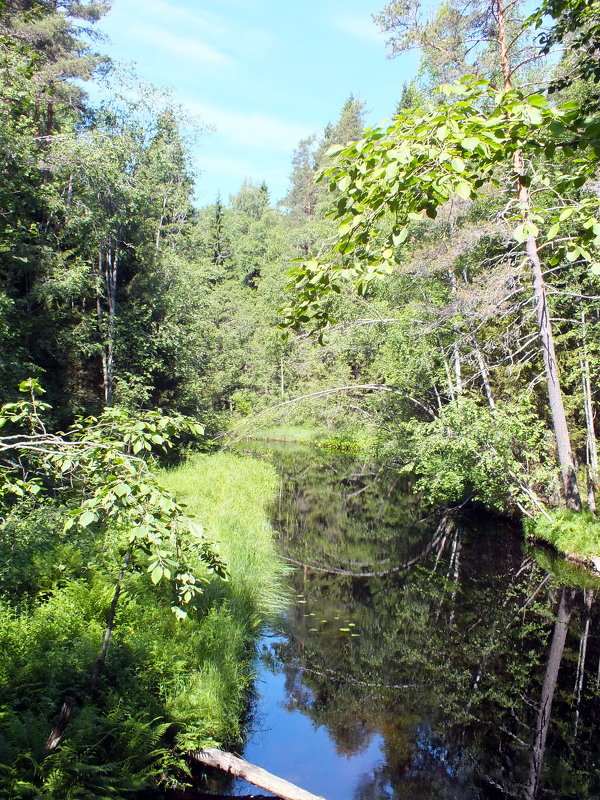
[463, 190]
[400, 237]
[470, 143]
[519, 233]
[156, 574]
[566, 213]
[87, 518]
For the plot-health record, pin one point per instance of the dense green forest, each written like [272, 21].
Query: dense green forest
[428, 291]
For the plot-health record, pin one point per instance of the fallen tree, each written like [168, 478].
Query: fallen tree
[211, 757]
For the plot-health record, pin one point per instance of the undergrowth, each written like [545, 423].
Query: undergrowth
[168, 686]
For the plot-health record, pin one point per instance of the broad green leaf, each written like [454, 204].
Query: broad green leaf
[87, 518]
[470, 143]
[566, 213]
[156, 574]
[553, 230]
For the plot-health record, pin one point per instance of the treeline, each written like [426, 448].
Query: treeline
[117, 290]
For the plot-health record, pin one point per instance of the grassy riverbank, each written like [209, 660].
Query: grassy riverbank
[574, 535]
[168, 686]
[347, 440]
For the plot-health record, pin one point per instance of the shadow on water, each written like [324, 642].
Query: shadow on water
[473, 672]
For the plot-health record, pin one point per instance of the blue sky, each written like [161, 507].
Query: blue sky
[263, 74]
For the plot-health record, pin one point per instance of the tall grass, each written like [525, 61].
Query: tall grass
[229, 495]
[169, 686]
[571, 533]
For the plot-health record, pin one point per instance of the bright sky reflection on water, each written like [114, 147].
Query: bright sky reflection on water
[294, 748]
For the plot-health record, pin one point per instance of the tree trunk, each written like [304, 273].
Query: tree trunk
[557, 410]
[590, 439]
[69, 704]
[110, 624]
[543, 720]
[588, 596]
[212, 757]
[484, 375]
[106, 312]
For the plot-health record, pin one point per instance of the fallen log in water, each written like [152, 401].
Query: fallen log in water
[211, 757]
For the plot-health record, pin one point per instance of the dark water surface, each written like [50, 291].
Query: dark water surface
[471, 673]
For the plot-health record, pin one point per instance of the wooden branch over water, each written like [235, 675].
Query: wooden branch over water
[211, 757]
[443, 530]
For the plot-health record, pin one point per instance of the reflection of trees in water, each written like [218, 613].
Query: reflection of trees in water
[498, 699]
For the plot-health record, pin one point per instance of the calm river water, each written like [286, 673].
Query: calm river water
[471, 672]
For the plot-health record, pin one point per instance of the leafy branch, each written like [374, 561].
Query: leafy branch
[98, 470]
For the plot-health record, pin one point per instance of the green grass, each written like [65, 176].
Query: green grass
[169, 686]
[229, 495]
[565, 572]
[284, 433]
[573, 534]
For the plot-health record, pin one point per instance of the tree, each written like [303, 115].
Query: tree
[56, 30]
[421, 160]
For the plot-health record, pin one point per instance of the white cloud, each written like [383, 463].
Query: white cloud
[160, 15]
[184, 47]
[252, 129]
[358, 27]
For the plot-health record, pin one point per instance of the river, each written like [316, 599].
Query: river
[463, 665]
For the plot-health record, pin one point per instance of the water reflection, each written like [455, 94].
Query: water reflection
[472, 672]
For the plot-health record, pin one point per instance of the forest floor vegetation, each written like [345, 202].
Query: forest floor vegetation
[169, 686]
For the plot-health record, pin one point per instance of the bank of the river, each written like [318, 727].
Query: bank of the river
[344, 441]
[168, 686]
[574, 535]
[229, 494]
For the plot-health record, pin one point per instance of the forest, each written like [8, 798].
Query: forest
[426, 294]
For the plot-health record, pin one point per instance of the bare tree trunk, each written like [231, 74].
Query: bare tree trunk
[590, 439]
[583, 643]
[106, 312]
[457, 373]
[484, 376]
[110, 624]
[259, 777]
[557, 410]
[112, 271]
[545, 710]
[455, 348]
[100, 322]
